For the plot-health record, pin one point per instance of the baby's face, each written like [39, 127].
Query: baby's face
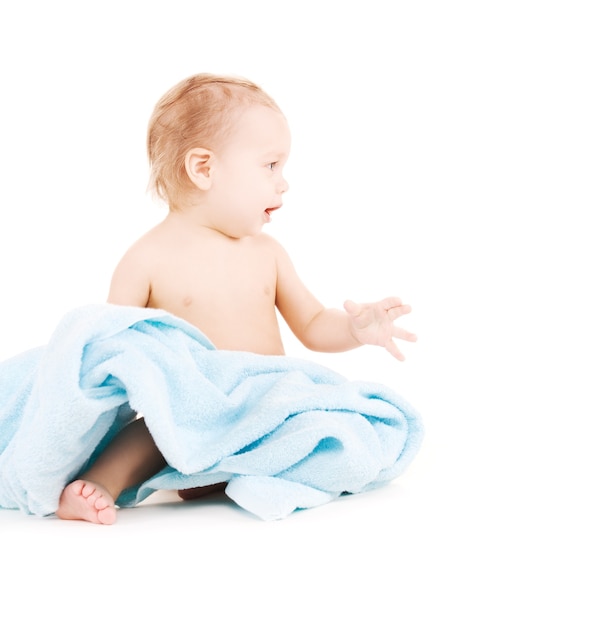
[248, 182]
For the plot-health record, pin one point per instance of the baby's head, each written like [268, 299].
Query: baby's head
[197, 112]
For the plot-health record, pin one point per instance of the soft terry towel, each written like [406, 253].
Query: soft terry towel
[284, 433]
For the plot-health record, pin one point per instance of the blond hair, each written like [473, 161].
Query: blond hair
[197, 112]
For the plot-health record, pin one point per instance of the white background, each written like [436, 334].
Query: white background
[441, 152]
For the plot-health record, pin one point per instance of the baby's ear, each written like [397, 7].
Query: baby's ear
[198, 164]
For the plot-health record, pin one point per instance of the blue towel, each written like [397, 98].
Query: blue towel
[284, 433]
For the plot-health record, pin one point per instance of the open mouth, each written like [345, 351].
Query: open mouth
[271, 209]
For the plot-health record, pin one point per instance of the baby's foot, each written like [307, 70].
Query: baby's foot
[85, 500]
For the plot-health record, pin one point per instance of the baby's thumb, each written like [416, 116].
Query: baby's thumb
[351, 307]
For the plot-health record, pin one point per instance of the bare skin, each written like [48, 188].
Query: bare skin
[123, 463]
[209, 263]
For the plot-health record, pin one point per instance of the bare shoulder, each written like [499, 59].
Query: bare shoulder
[144, 248]
[269, 245]
[131, 280]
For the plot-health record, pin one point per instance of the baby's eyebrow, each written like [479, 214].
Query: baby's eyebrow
[275, 156]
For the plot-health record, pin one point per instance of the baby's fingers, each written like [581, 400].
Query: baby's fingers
[400, 333]
[395, 312]
[393, 350]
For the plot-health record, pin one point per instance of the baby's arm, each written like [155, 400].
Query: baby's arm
[130, 284]
[334, 330]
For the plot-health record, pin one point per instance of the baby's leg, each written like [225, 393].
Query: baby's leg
[200, 492]
[131, 458]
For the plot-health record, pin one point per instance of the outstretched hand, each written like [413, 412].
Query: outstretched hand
[372, 323]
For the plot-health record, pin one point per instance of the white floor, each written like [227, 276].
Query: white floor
[488, 526]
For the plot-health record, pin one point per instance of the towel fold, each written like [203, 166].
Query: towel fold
[284, 433]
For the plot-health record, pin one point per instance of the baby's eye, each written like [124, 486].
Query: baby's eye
[272, 166]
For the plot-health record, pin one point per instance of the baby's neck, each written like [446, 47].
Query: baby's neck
[190, 221]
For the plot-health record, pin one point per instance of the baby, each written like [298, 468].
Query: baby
[217, 147]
